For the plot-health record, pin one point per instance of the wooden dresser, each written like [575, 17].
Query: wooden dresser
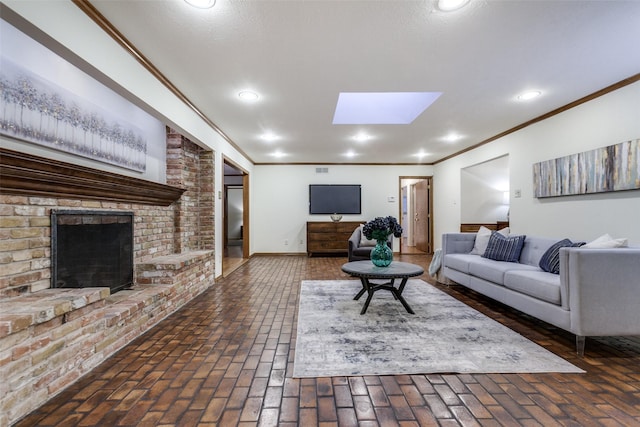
[329, 237]
[474, 227]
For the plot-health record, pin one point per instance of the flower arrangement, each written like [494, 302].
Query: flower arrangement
[381, 227]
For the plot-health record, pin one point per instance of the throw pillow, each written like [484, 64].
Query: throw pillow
[363, 239]
[550, 261]
[606, 241]
[482, 239]
[501, 248]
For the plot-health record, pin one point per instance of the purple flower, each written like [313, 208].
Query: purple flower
[381, 227]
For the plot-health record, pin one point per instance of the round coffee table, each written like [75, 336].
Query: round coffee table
[366, 270]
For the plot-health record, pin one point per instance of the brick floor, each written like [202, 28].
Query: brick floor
[226, 358]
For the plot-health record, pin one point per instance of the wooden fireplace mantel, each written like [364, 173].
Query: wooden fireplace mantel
[30, 175]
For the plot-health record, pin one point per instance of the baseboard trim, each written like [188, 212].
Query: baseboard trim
[278, 254]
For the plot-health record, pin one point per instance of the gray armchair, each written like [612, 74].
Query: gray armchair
[361, 253]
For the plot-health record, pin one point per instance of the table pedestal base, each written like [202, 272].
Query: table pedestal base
[371, 288]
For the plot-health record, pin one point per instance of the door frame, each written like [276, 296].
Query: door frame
[429, 179]
[246, 234]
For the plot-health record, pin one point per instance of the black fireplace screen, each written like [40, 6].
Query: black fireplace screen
[91, 249]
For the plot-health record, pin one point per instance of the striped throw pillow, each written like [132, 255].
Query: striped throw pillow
[501, 248]
[550, 261]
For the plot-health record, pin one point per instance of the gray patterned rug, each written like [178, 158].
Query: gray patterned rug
[444, 336]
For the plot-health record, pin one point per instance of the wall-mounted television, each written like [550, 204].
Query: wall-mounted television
[334, 198]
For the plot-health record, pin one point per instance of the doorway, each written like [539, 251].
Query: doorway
[416, 207]
[484, 195]
[235, 218]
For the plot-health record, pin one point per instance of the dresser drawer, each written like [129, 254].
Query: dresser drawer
[329, 237]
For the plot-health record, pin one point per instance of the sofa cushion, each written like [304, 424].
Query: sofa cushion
[606, 241]
[501, 248]
[482, 239]
[533, 249]
[535, 283]
[459, 262]
[363, 251]
[363, 239]
[550, 261]
[494, 271]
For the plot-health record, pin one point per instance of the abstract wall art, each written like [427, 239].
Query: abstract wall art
[612, 168]
[46, 100]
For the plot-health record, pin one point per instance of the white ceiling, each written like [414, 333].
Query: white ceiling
[300, 54]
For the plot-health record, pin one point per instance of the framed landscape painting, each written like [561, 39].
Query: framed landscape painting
[612, 168]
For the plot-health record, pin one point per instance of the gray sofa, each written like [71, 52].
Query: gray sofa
[358, 252]
[597, 292]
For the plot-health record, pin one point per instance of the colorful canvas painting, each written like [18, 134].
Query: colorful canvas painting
[612, 168]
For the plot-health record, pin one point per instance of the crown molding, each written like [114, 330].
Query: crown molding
[590, 97]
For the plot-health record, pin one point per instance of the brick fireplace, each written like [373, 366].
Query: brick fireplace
[91, 248]
[50, 337]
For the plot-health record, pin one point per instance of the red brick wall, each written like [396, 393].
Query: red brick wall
[207, 200]
[187, 225]
[190, 167]
[46, 342]
[25, 237]
[24, 245]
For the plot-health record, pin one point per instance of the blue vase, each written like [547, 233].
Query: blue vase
[381, 254]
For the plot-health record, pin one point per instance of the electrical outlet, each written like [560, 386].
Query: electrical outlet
[286, 242]
[301, 242]
[517, 193]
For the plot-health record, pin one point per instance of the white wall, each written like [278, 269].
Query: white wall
[480, 202]
[280, 200]
[234, 211]
[607, 120]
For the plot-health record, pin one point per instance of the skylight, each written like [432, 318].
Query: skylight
[381, 108]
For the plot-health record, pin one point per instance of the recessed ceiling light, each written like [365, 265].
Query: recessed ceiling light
[350, 153]
[421, 154]
[361, 137]
[278, 154]
[451, 5]
[248, 95]
[525, 96]
[269, 137]
[201, 4]
[452, 137]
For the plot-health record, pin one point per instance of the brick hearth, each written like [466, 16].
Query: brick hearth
[50, 337]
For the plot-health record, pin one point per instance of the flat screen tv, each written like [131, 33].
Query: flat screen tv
[330, 199]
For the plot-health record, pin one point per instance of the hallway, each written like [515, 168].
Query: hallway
[232, 259]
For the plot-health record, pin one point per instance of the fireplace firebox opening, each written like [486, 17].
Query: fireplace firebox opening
[91, 249]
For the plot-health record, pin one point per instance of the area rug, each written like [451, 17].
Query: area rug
[444, 336]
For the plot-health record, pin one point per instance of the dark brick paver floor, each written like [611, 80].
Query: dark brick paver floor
[226, 358]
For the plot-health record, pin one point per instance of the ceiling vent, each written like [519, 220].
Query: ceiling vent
[322, 170]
